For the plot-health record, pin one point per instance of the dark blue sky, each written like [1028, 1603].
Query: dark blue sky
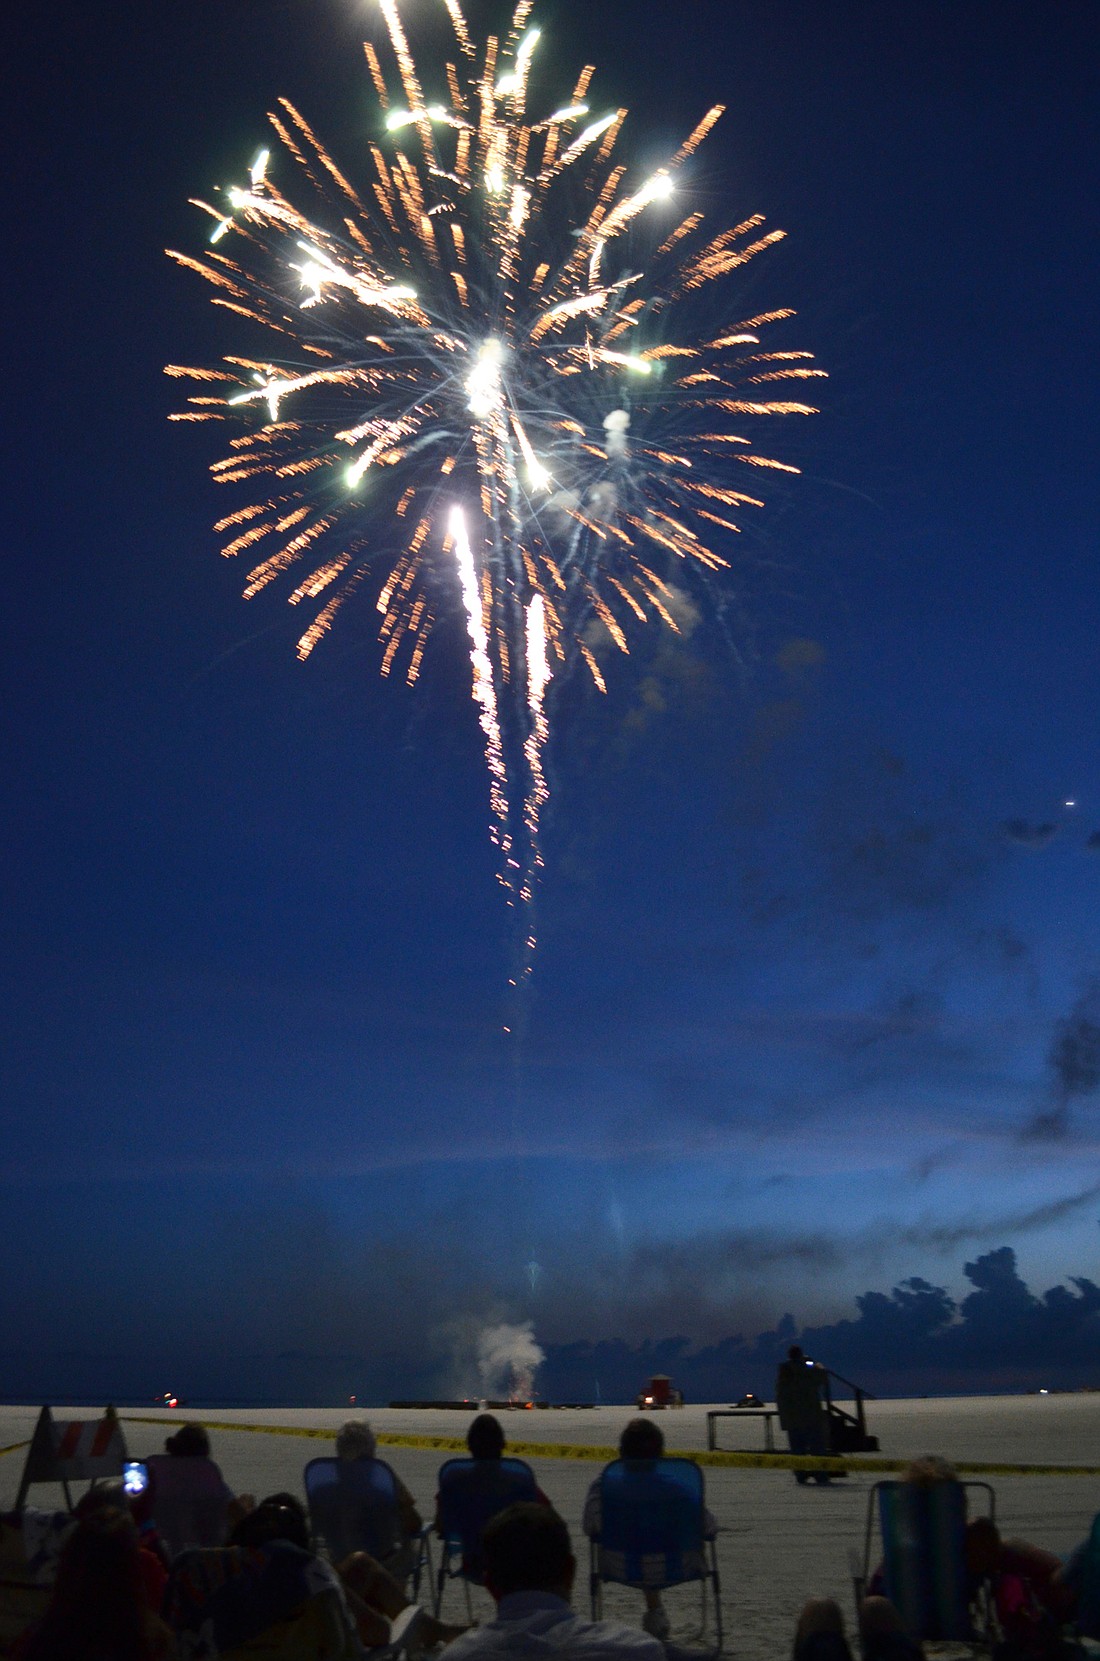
[798, 997]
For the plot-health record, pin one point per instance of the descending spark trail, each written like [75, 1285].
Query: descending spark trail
[488, 353]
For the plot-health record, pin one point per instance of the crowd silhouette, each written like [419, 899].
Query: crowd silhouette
[185, 1570]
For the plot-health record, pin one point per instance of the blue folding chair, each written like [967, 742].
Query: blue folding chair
[471, 1492]
[924, 1567]
[353, 1506]
[652, 1532]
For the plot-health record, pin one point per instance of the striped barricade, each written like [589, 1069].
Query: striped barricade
[77, 1450]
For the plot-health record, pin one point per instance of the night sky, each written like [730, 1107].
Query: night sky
[816, 1004]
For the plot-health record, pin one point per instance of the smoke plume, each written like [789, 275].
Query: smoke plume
[507, 1359]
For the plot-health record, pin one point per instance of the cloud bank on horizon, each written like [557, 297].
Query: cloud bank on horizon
[915, 1339]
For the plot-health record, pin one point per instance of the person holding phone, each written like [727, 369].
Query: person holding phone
[799, 1387]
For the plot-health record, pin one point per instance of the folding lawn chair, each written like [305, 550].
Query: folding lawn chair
[353, 1506]
[651, 1532]
[471, 1492]
[924, 1570]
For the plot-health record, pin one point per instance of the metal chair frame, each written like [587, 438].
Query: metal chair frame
[422, 1539]
[707, 1550]
[452, 1545]
[861, 1573]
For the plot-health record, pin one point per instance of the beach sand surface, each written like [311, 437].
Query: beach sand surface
[778, 1543]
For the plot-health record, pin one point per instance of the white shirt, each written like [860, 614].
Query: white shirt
[540, 1624]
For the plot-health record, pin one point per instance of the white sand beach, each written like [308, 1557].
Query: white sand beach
[778, 1543]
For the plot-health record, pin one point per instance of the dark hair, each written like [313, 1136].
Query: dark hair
[189, 1440]
[983, 1546]
[279, 1517]
[109, 1495]
[485, 1437]
[526, 1548]
[641, 1439]
[99, 1605]
[796, 1353]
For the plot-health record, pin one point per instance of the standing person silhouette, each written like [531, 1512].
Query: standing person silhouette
[798, 1396]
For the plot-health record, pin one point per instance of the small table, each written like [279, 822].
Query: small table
[765, 1413]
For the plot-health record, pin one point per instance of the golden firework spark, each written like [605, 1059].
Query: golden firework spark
[481, 379]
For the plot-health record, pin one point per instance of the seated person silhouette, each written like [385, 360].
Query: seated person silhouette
[479, 1487]
[364, 1505]
[530, 1569]
[640, 1446]
[190, 1498]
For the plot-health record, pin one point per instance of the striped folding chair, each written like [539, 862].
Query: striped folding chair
[924, 1570]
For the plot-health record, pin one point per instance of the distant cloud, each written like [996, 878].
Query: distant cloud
[1074, 1062]
[1075, 1055]
[914, 1338]
[937, 1160]
[906, 1015]
[701, 1266]
[889, 850]
[799, 655]
[703, 1259]
[943, 1236]
[697, 1283]
[774, 723]
[1021, 834]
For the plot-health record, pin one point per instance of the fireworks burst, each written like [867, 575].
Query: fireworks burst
[483, 378]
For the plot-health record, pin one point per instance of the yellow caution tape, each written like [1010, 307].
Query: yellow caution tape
[854, 1464]
[222, 1424]
[721, 1458]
